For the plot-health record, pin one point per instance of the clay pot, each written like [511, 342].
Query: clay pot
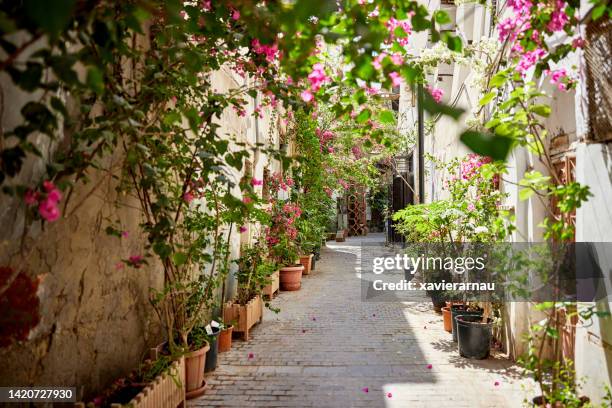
[291, 277]
[194, 371]
[225, 339]
[306, 261]
[446, 314]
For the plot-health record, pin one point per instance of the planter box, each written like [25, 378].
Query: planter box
[272, 289]
[161, 392]
[244, 317]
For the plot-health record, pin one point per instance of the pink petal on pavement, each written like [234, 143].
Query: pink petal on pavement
[429, 366]
[365, 389]
[251, 355]
[389, 395]
[496, 383]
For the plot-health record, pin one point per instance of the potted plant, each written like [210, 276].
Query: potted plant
[281, 238]
[195, 266]
[225, 337]
[271, 289]
[253, 274]
[290, 274]
[159, 381]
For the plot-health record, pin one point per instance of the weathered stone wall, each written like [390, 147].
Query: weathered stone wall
[95, 319]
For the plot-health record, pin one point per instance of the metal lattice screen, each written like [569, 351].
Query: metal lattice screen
[598, 52]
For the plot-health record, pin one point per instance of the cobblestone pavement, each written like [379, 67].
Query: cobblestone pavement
[328, 348]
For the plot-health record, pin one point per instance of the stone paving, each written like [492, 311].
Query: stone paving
[328, 348]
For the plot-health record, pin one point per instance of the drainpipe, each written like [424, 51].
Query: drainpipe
[421, 136]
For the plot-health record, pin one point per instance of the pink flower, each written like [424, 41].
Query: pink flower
[243, 229]
[317, 77]
[436, 93]
[558, 18]
[48, 185]
[377, 62]
[206, 5]
[578, 42]
[48, 210]
[256, 182]
[135, 261]
[188, 197]
[396, 79]
[124, 234]
[560, 78]
[235, 15]
[247, 200]
[306, 95]
[529, 59]
[30, 197]
[397, 58]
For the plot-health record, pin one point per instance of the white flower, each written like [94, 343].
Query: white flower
[481, 230]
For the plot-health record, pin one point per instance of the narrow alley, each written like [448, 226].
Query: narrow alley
[328, 348]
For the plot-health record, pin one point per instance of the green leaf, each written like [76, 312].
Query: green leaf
[431, 106]
[95, 80]
[542, 110]
[386, 117]
[453, 42]
[498, 79]
[51, 17]
[363, 116]
[487, 98]
[172, 117]
[485, 144]
[599, 11]
[525, 193]
[441, 17]
[179, 258]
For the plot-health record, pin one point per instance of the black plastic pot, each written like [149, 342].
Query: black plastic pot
[474, 336]
[211, 355]
[313, 260]
[457, 310]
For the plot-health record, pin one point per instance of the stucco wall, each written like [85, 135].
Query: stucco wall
[594, 224]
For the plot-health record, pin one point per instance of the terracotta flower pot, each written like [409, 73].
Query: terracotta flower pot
[194, 371]
[306, 261]
[291, 277]
[446, 314]
[225, 339]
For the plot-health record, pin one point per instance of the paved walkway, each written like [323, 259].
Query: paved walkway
[328, 348]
